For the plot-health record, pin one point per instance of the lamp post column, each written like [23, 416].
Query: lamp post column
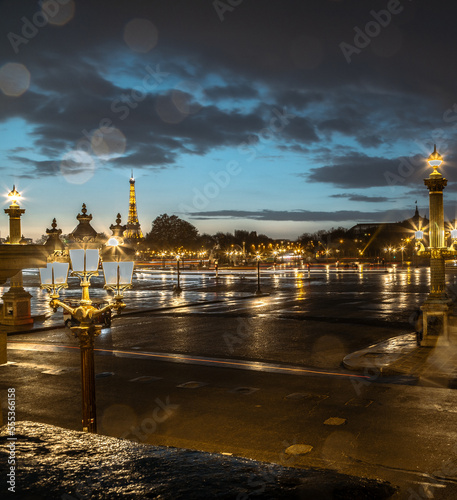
[436, 183]
[437, 303]
[86, 345]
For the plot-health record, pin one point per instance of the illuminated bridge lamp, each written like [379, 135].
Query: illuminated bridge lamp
[435, 160]
[84, 264]
[53, 277]
[118, 277]
[14, 196]
[419, 235]
[454, 234]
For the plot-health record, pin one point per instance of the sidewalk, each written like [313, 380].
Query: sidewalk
[431, 366]
[58, 463]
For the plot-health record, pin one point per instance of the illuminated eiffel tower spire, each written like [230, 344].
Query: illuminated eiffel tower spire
[133, 231]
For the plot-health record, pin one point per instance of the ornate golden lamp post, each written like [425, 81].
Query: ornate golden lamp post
[118, 277]
[437, 303]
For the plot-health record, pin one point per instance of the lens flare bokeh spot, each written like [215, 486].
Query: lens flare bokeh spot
[140, 35]
[77, 167]
[14, 79]
[58, 13]
[118, 419]
[108, 143]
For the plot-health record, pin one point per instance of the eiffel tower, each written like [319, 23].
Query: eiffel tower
[133, 231]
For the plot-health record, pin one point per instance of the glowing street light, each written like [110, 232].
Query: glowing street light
[118, 275]
[14, 196]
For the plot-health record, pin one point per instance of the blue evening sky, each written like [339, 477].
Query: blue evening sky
[277, 117]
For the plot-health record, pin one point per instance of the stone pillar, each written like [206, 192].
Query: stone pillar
[437, 305]
[3, 357]
[15, 211]
[16, 304]
[16, 308]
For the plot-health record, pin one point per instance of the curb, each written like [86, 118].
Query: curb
[380, 356]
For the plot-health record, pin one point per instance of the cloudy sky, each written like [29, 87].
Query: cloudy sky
[282, 117]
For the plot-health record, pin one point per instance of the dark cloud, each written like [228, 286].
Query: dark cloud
[74, 90]
[299, 129]
[242, 91]
[149, 156]
[362, 198]
[369, 140]
[362, 171]
[33, 168]
[303, 215]
[297, 99]
[213, 82]
[344, 125]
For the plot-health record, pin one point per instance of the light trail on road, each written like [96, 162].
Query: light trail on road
[194, 360]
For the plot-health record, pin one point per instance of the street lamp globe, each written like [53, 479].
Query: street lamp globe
[435, 159]
[112, 242]
[14, 196]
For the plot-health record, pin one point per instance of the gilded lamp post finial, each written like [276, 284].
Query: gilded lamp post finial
[53, 242]
[118, 229]
[435, 160]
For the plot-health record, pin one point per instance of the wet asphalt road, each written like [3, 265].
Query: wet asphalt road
[374, 293]
[394, 431]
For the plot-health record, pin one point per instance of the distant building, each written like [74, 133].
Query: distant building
[376, 239]
[386, 230]
[133, 231]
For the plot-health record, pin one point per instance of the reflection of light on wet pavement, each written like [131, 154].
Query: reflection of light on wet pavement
[153, 289]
